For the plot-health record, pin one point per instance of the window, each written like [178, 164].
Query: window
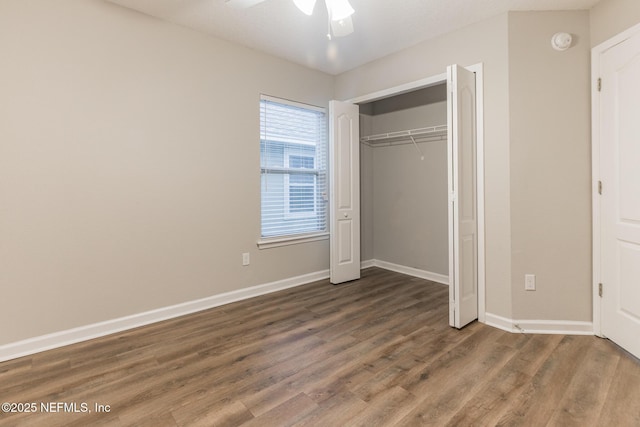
[300, 188]
[293, 167]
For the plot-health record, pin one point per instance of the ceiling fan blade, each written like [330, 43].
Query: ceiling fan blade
[339, 9]
[242, 4]
[342, 28]
[306, 6]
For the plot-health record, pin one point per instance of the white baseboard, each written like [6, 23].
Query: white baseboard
[368, 263]
[410, 271]
[564, 327]
[95, 330]
[499, 322]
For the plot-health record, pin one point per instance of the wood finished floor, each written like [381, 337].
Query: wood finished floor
[375, 352]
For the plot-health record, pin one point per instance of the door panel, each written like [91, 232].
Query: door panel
[620, 199]
[629, 255]
[345, 252]
[629, 148]
[344, 210]
[344, 162]
[463, 250]
[467, 281]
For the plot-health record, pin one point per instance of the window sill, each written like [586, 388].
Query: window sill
[292, 240]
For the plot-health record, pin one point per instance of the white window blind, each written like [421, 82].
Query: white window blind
[293, 165]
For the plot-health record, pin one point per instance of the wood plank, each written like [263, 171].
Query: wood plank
[442, 394]
[287, 413]
[386, 408]
[586, 394]
[621, 406]
[499, 393]
[337, 410]
[541, 398]
[206, 412]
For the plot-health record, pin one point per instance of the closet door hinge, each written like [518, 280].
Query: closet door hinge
[599, 84]
[600, 187]
[600, 290]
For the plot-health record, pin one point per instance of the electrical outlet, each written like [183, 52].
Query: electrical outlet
[529, 282]
[246, 258]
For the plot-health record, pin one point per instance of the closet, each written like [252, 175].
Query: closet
[403, 182]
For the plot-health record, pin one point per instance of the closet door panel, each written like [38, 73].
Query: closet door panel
[463, 250]
[344, 209]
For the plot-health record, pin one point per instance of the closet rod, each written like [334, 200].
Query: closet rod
[404, 141]
[405, 134]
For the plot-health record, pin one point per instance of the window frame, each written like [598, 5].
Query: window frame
[265, 242]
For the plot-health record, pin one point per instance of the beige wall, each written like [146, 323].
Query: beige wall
[484, 42]
[610, 17]
[550, 156]
[432, 114]
[129, 165]
[408, 195]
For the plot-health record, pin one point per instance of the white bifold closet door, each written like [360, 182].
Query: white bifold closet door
[463, 223]
[344, 205]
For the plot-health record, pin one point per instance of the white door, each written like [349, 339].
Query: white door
[344, 208]
[463, 224]
[620, 200]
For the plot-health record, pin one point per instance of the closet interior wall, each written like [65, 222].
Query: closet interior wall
[404, 197]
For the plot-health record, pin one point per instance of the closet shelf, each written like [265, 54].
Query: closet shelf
[428, 132]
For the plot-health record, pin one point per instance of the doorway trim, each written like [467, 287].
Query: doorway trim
[478, 69]
[596, 53]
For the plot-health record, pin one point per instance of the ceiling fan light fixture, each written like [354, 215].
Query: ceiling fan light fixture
[339, 9]
[306, 6]
[342, 28]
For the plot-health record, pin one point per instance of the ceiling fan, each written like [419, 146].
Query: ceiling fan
[338, 11]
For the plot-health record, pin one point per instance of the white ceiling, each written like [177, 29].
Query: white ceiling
[381, 27]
